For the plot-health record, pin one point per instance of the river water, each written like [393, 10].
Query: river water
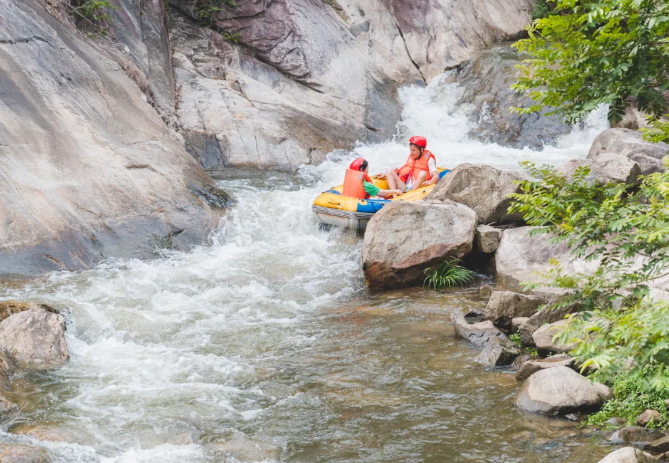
[266, 345]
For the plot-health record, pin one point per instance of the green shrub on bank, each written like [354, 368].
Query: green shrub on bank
[448, 274]
[625, 230]
[541, 9]
[630, 398]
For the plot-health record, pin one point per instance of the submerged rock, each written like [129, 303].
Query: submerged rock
[630, 144]
[54, 433]
[13, 453]
[560, 390]
[604, 168]
[488, 238]
[635, 435]
[628, 455]
[247, 449]
[478, 333]
[504, 306]
[405, 238]
[35, 338]
[483, 188]
[533, 365]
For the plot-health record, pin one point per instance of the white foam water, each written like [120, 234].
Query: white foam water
[171, 356]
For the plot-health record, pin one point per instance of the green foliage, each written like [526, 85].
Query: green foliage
[630, 398]
[515, 337]
[597, 52]
[448, 274]
[234, 37]
[206, 11]
[658, 131]
[624, 231]
[94, 13]
[541, 9]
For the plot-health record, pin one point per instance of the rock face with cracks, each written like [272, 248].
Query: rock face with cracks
[560, 390]
[90, 170]
[405, 238]
[483, 188]
[35, 338]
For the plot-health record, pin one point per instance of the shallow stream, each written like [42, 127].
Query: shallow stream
[266, 345]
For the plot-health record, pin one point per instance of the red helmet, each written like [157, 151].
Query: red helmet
[419, 141]
[355, 165]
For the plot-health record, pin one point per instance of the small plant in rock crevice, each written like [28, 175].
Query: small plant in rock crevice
[206, 11]
[91, 15]
[448, 274]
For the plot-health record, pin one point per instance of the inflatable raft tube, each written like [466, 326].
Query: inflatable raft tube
[333, 208]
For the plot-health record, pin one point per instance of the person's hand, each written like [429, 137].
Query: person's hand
[394, 193]
[381, 175]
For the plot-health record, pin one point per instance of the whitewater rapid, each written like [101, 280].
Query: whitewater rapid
[173, 356]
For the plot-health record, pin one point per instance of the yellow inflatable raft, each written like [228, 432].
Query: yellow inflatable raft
[333, 208]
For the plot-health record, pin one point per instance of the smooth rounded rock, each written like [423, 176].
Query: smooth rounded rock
[545, 338]
[630, 144]
[478, 333]
[532, 366]
[635, 435]
[647, 416]
[560, 390]
[405, 238]
[628, 455]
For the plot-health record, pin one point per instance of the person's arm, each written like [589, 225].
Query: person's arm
[434, 172]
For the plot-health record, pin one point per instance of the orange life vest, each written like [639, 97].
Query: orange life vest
[414, 166]
[353, 184]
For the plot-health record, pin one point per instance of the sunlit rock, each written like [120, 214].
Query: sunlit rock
[536, 364]
[560, 390]
[10, 453]
[478, 333]
[488, 238]
[504, 306]
[604, 168]
[628, 455]
[630, 144]
[405, 238]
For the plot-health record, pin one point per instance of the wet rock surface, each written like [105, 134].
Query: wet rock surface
[54, 433]
[630, 144]
[498, 351]
[504, 306]
[482, 188]
[560, 390]
[478, 333]
[35, 338]
[405, 238]
[10, 453]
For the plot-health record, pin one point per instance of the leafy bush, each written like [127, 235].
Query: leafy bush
[630, 399]
[448, 274]
[93, 13]
[205, 11]
[541, 9]
[597, 52]
[658, 131]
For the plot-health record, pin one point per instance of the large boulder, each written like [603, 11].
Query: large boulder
[530, 367]
[405, 238]
[630, 144]
[504, 306]
[522, 258]
[560, 390]
[628, 455]
[11, 307]
[293, 85]
[483, 188]
[35, 338]
[418, 39]
[544, 317]
[90, 169]
[604, 168]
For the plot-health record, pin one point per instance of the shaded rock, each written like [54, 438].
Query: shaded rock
[487, 238]
[35, 338]
[486, 83]
[523, 258]
[532, 366]
[478, 333]
[482, 188]
[545, 316]
[560, 390]
[54, 433]
[521, 360]
[517, 322]
[504, 306]
[660, 445]
[635, 435]
[604, 168]
[105, 176]
[628, 455]
[498, 351]
[5, 402]
[405, 238]
[6, 368]
[544, 335]
[11, 453]
[647, 416]
[630, 144]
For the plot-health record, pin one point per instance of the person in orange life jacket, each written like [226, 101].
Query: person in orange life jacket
[419, 170]
[370, 190]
